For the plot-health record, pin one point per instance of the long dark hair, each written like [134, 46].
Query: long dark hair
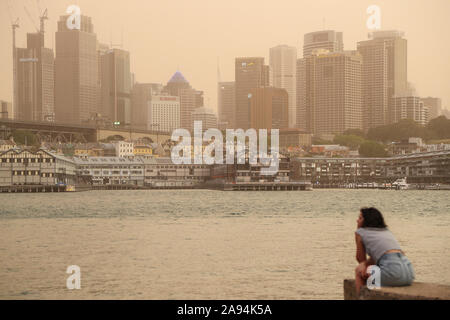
[372, 218]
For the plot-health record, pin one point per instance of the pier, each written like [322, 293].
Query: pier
[268, 186]
[33, 188]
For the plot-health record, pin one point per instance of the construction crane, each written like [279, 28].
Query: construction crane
[42, 19]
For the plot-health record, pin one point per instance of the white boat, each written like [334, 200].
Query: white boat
[401, 184]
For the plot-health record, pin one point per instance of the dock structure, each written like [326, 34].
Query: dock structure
[32, 188]
[268, 186]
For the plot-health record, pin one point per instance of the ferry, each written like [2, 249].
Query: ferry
[401, 184]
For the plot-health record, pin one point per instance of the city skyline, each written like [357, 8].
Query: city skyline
[429, 79]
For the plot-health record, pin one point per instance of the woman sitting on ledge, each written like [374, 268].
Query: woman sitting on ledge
[373, 238]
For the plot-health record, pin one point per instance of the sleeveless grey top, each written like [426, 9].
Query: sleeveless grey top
[377, 241]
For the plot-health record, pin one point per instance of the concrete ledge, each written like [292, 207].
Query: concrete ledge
[417, 291]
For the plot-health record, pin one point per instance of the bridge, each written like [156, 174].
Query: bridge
[60, 132]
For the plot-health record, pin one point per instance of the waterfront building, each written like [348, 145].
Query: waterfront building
[163, 173]
[250, 73]
[426, 167]
[329, 93]
[24, 167]
[6, 145]
[77, 89]
[143, 150]
[327, 39]
[269, 108]
[110, 170]
[226, 104]
[384, 75]
[124, 149]
[283, 62]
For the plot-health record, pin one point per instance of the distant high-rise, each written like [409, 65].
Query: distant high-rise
[226, 104]
[35, 83]
[384, 75]
[76, 72]
[250, 73]
[269, 108]
[409, 107]
[164, 113]
[190, 99]
[329, 92]
[328, 39]
[206, 116]
[115, 84]
[283, 61]
[434, 106]
[6, 110]
[140, 97]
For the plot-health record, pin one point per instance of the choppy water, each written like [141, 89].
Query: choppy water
[200, 244]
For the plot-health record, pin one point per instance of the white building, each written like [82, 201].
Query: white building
[164, 113]
[409, 108]
[283, 64]
[124, 149]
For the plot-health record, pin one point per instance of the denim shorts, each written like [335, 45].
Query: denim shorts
[396, 270]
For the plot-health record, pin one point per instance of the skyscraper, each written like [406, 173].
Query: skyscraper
[329, 92]
[164, 113]
[115, 84]
[384, 75]
[250, 73]
[283, 61]
[140, 97]
[226, 104]
[190, 99]
[76, 72]
[328, 39]
[269, 108]
[35, 83]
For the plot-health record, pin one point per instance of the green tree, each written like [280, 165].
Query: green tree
[351, 141]
[355, 132]
[319, 141]
[372, 149]
[401, 130]
[439, 128]
[25, 137]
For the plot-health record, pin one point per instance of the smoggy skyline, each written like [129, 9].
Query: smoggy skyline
[192, 35]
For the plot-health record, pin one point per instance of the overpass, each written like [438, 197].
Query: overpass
[61, 132]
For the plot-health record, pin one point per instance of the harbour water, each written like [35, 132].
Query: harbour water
[204, 244]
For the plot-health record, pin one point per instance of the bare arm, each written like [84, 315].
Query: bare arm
[360, 249]
[361, 252]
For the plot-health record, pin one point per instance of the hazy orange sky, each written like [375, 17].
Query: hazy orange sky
[192, 35]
